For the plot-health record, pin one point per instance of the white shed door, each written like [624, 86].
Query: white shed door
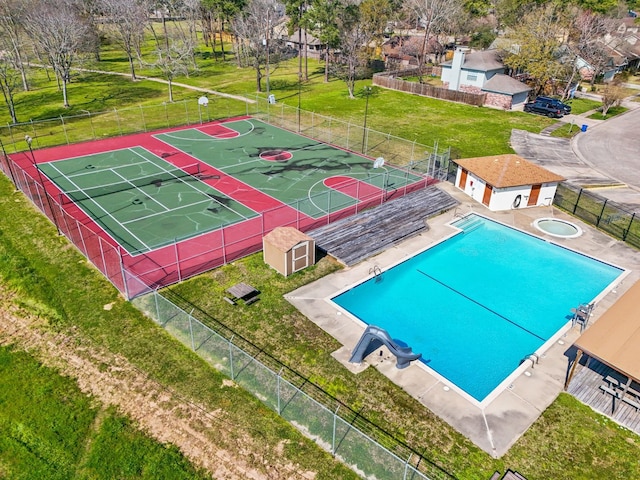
[300, 256]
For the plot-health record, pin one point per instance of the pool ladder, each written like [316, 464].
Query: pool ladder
[376, 272]
[535, 359]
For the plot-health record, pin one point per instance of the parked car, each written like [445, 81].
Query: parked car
[544, 108]
[554, 101]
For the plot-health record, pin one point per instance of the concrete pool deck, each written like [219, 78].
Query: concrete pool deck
[497, 424]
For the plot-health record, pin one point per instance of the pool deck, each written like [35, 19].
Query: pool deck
[496, 424]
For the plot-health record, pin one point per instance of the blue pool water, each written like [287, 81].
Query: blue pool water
[478, 303]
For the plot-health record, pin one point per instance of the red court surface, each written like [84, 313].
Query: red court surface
[135, 275]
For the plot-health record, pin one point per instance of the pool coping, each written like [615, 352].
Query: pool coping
[495, 425]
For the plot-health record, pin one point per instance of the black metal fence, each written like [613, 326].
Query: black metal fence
[604, 214]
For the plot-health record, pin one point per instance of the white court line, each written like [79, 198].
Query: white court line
[107, 213]
[97, 170]
[209, 137]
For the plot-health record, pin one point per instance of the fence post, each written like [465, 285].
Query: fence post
[33, 131]
[193, 345]
[406, 467]
[231, 357]
[333, 436]
[626, 232]
[278, 392]
[122, 271]
[144, 123]
[604, 205]
[64, 129]
[575, 207]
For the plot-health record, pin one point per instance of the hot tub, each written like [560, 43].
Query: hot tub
[557, 228]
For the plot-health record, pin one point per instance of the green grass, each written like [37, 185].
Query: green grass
[612, 112]
[53, 281]
[50, 429]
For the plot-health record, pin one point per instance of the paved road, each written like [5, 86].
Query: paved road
[613, 148]
[605, 157]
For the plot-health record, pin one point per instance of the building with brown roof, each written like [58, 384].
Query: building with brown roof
[504, 182]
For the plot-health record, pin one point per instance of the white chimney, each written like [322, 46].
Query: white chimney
[456, 68]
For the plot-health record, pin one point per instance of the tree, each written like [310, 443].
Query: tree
[586, 41]
[12, 34]
[9, 81]
[254, 29]
[434, 15]
[174, 51]
[127, 20]
[612, 96]
[58, 30]
[354, 37]
[323, 22]
[538, 47]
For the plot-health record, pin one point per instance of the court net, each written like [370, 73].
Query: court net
[156, 180]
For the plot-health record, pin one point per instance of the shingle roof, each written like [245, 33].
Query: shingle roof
[482, 61]
[508, 170]
[285, 238]
[501, 83]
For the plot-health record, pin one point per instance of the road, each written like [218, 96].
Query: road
[613, 148]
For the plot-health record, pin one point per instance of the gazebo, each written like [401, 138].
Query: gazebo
[613, 340]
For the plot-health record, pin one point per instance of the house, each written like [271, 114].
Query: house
[483, 72]
[301, 38]
[506, 182]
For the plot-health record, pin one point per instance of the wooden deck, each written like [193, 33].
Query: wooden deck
[585, 386]
[361, 236]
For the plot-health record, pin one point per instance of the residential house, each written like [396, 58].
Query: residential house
[483, 72]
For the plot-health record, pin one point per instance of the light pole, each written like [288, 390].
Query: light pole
[366, 91]
[29, 140]
[299, 89]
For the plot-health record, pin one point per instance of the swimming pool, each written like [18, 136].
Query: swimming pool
[477, 304]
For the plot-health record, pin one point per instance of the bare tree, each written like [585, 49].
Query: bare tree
[587, 39]
[174, 55]
[253, 28]
[12, 34]
[126, 21]
[9, 81]
[58, 30]
[612, 96]
[434, 16]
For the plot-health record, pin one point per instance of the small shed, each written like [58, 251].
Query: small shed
[288, 250]
[505, 182]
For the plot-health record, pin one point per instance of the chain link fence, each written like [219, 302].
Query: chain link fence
[137, 274]
[367, 449]
[600, 212]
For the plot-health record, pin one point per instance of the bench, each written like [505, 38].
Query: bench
[229, 300]
[610, 391]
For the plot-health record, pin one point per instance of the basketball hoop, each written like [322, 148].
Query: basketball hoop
[204, 101]
[378, 163]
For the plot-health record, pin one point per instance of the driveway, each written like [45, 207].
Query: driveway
[605, 158]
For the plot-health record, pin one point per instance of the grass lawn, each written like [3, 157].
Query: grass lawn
[50, 429]
[53, 281]
[612, 112]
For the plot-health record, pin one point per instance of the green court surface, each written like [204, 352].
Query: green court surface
[141, 200]
[313, 177]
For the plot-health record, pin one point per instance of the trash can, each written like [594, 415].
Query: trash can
[584, 128]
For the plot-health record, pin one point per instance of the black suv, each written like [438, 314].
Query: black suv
[556, 103]
[544, 108]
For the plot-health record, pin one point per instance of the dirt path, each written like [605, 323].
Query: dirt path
[207, 438]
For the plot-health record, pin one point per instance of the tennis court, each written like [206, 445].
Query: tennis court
[142, 201]
[151, 209]
[315, 177]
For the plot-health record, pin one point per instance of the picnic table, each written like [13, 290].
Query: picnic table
[243, 291]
